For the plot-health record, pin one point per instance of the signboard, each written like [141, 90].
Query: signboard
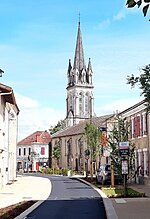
[124, 148]
[124, 145]
[124, 166]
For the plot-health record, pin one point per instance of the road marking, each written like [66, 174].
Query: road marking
[120, 201]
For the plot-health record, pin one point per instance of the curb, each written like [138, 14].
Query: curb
[110, 211]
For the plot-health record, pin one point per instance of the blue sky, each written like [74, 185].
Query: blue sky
[38, 38]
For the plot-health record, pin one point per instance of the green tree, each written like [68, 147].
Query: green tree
[143, 82]
[60, 125]
[57, 152]
[140, 3]
[92, 134]
[120, 133]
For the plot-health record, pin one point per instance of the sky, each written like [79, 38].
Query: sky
[37, 39]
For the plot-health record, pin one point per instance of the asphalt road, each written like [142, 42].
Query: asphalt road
[70, 199]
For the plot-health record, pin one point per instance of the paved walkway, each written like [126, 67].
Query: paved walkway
[25, 188]
[38, 188]
[133, 208]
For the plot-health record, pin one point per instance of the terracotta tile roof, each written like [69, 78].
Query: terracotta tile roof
[42, 137]
[79, 128]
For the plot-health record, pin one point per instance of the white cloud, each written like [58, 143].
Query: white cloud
[104, 23]
[117, 105]
[32, 117]
[121, 15]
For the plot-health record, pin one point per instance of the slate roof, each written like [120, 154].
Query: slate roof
[42, 137]
[79, 128]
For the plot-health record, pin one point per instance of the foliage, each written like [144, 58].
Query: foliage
[144, 3]
[120, 134]
[57, 151]
[143, 82]
[60, 125]
[92, 134]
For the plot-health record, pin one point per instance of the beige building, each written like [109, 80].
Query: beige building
[8, 134]
[140, 135]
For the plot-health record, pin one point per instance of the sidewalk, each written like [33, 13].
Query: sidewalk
[25, 188]
[132, 208]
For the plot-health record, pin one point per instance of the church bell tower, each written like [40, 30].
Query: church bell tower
[80, 101]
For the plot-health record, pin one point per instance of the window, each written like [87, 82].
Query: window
[29, 151]
[19, 151]
[71, 102]
[42, 150]
[86, 104]
[80, 104]
[24, 151]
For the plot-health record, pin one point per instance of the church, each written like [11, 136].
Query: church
[79, 111]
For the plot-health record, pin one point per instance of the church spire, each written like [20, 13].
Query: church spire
[79, 54]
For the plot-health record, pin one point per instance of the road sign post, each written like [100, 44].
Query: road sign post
[124, 154]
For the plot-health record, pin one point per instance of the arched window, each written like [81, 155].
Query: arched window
[86, 104]
[70, 102]
[80, 104]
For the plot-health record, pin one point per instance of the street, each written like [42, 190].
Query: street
[70, 199]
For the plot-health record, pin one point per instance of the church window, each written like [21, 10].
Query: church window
[86, 104]
[70, 102]
[80, 104]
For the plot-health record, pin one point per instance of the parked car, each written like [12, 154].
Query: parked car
[103, 175]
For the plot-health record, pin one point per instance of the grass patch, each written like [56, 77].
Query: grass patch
[119, 192]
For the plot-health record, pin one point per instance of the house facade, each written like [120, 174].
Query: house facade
[139, 131]
[33, 152]
[8, 134]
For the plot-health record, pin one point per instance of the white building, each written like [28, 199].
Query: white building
[33, 151]
[8, 134]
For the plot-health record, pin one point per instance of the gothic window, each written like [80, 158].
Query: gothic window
[86, 104]
[80, 104]
[71, 102]
[69, 152]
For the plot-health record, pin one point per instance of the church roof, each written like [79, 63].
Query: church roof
[79, 128]
[79, 62]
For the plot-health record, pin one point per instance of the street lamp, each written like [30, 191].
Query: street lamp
[1, 72]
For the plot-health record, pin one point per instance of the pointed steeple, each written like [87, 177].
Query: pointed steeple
[79, 54]
[89, 68]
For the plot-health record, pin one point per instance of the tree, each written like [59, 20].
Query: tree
[143, 82]
[60, 125]
[57, 152]
[92, 134]
[120, 133]
[144, 3]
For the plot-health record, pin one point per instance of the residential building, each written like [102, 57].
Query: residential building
[8, 134]
[139, 131]
[33, 151]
